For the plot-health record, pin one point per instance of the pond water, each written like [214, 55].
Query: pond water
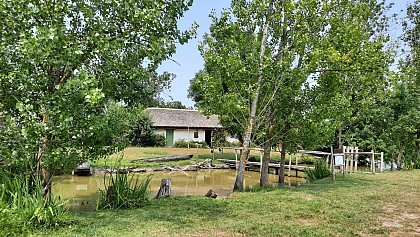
[81, 191]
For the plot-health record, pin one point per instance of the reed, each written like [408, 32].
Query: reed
[320, 171]
[22, 205]
[124, 191]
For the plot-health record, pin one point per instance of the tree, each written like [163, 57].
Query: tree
[173, 105]
[259, 56]
[142, 133]
[403, 130]
[61, 65]
[352, 79]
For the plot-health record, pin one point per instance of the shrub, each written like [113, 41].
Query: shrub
[142, 133]
[184, 144]
[320, 171]
[124, 191]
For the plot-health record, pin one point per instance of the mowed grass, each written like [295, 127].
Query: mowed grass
[134, 153]
[357, 205]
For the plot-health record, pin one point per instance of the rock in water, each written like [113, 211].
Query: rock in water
[165, 189]
[211, 194]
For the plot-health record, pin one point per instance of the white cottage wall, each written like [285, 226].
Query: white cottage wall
[180, 134]
[184, 134]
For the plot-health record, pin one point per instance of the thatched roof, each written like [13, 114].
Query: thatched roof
[182, 118]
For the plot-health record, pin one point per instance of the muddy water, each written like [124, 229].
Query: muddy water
[81, 191]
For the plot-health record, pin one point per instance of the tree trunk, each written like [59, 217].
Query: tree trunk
[417, 149]
[165, 189]
[264, 164]
[399, 158]
[282, 161]
[44, 175]
[239, 181]
[340, 138]
[267, 151]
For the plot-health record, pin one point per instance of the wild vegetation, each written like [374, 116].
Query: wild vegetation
[71, 72]
[123, 191]
[312, 75]
[320, 171]
[23, 206]
[76, 75]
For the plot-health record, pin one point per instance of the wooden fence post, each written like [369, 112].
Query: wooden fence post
[373, 162]
[351, 156]
[382, 161]
[356, 157]
[332, 163]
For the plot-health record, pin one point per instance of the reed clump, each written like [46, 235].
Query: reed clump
[320, 171]
[124, 191]
[23, 205]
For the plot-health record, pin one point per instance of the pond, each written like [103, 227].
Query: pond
[81, 191]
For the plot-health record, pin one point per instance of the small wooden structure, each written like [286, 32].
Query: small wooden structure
[347, 159]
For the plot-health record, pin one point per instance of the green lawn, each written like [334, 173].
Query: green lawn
[358, 205]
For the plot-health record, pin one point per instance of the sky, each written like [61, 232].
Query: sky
[188, 59]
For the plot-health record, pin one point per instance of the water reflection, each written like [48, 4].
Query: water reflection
[81, 191]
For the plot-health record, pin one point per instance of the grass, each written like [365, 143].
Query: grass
[356, 205]
[133, 153]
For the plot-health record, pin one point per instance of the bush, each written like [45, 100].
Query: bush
[124, 191]
[320, 171]
[142, 133]
[184, 144]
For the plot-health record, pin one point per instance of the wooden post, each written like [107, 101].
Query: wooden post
[373, 162]
[196, 158]
[346, 159]
[290, 164]
[382, 161]
[351, 150]
[296, 164]
[328, 160]
[236, 159]
[261, 158]
[356, 157]
[332, 163]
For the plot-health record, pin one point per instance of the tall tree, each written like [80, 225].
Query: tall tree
[260, 54]
[403, 127]
[62, 62]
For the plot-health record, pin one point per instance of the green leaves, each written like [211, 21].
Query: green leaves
[63, 65]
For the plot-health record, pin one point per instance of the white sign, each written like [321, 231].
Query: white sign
[338, 160]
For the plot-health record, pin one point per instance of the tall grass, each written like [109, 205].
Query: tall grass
[320, 171]
[124, 191]
[23, 206]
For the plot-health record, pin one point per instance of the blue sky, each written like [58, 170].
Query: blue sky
[188, 57]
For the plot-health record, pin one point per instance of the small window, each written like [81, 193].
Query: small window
[195, 134]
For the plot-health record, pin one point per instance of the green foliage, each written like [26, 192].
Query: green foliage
[320, 171]
[124, 191]
[306, 159]
[191, 144]
[173, 105]
[63, 64]
[22, 205]
[141, 133]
